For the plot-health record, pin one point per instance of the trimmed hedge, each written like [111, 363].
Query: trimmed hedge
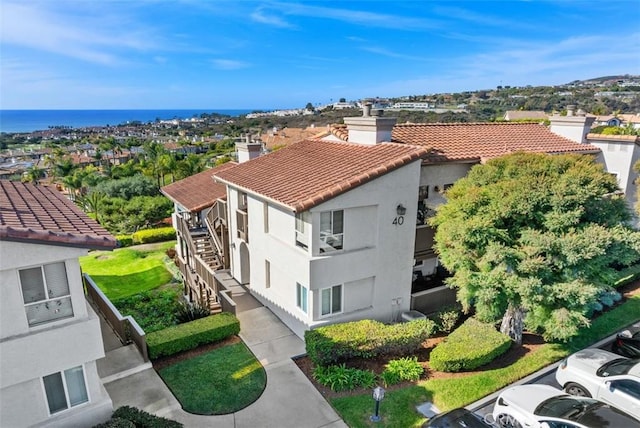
[124, 240]
[192, 334]
[471, 345]
[365, 339]
[131, 417]
[154, 235]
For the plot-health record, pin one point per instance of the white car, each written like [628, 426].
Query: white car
[543, 406]
[602, 375]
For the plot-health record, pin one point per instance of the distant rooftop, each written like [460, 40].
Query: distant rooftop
[41, 214]
[198, 191]
[479, 141]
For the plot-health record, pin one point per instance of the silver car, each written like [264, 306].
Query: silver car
[602, 375]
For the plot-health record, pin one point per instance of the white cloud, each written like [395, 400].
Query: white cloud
[358, 17]
[229, 64]
[263, 18]
[87, 37]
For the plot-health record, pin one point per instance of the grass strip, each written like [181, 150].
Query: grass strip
[218, 382]
[398, 409]
[126, 271]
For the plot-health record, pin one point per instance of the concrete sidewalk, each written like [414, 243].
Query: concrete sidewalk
[289, 400]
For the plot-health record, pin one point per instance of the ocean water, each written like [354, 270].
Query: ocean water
[39, 120]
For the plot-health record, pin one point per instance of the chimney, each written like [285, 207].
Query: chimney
[248, 150]
[369, 129]
[572, 127]
[366, 109]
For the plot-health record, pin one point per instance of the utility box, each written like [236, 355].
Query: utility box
[412, 315]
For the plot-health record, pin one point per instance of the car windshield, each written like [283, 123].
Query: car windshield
[565, 407]
[616, 367]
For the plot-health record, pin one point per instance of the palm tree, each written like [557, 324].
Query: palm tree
[92, 203]
[33, 175]
[190, 165]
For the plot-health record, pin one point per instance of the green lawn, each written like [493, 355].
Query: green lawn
[218, 382]
[127, 271]
[398, 407]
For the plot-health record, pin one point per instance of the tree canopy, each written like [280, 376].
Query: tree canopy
[535, 236]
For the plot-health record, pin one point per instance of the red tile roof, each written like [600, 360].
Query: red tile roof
[310, 172]
[31, 213]
[478, 141]
[199, 191]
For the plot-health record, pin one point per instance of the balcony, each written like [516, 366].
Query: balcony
[424, 243]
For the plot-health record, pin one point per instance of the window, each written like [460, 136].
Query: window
[331, 230]
[45, 293]
[301, 297]
[331, 300]
[302, 226]
[242, 201]
[65, 389]
[267, 274]
[265, 209]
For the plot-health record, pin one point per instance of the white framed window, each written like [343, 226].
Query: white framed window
[65, 389]
[267, 274]
[331, 300]
[45, 293]
[331, 230]
[301, 297]
[302, 229]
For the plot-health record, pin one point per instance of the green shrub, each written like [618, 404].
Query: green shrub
[471, 345]
[365, 339]
[153, 310]
[116, 423]
[124, 240]
[627, 275]
[447, 318]
[190, 311]
[127, 417]
[403, 369]
[342, 378]
[192, 334]
[154, 235]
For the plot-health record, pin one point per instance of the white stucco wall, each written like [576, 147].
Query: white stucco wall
[29, 353]
[438, 175]
[619, 157]
[374, 267]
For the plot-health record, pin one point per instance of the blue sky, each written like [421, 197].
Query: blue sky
[146, 54]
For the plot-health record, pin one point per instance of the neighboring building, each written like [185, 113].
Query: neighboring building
[619, 153]
[335, 228]
[200, 220]
[50, 337]
[532, 115]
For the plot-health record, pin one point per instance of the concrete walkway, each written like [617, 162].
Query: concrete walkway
[289, 400]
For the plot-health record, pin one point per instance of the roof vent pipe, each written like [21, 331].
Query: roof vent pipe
[366, 109]
[570, 109]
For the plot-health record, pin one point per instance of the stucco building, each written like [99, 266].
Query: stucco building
[50, 336]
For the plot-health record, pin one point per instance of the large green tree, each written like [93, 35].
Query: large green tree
[535, 236]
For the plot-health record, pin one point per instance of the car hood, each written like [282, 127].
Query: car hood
[590, 360]
[528, 397]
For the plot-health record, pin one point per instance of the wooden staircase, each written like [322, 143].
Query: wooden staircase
[205, 249]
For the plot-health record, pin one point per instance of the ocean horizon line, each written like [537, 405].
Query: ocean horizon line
[33, 120]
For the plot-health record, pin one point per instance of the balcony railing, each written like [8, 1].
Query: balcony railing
[243, 225]
[424, 242]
